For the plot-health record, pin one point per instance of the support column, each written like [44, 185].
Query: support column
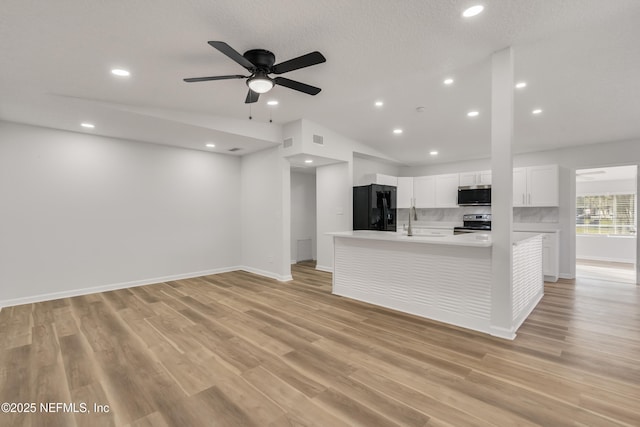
[502, 192]
[637, 238]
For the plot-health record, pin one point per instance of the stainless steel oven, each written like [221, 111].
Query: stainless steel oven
[474, 223]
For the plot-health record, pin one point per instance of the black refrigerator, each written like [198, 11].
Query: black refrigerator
[374, 207]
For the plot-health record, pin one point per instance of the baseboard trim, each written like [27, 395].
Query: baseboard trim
[324, 268]
[566, 276]
[111, 287]
[605, 259]
[503, 333]
[269, 274]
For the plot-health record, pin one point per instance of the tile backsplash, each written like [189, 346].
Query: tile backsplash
[533, 215]
[527, 215]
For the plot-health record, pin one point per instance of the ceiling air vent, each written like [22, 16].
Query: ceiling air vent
[318, 139]
[235, 149]
[287, 143]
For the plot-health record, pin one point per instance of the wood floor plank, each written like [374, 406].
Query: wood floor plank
[237, 349]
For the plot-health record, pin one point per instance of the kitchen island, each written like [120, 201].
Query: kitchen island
[445, 277]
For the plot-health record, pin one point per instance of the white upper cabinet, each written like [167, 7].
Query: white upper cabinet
[424, 191]
[436, 191]
[405, 192]
[378, 178]
[536, 186]
[447, 190]
[475, 178]
[543, 185]
[519, 187]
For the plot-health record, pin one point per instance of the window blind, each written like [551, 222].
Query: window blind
[613, 214]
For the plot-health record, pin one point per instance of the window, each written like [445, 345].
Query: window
[613, 214]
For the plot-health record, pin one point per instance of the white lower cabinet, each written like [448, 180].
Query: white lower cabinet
[551, 256]
[550, 253]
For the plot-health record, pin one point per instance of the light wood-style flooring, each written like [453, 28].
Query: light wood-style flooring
[237, 349]
[605, 270]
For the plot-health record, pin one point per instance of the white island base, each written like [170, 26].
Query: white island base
[447, 278]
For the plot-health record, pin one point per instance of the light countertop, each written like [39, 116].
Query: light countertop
[469, 239]
[480, 240]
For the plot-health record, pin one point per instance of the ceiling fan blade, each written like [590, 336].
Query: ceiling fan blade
[292, 84]
[251, 97]
[204, 79]
[303, 61]
[233, 54]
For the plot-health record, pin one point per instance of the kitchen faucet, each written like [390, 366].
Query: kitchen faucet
[412, 212]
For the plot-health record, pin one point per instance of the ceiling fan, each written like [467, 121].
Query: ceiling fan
[260, 63]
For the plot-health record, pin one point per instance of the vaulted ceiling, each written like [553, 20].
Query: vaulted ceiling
[580, 59]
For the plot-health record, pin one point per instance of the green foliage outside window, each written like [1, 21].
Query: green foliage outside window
[613, 214]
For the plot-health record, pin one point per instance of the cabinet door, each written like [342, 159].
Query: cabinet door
[447, 190]
[546, 259]
[405, 191]
[424, 191]
[484, 178]
[550, 256]
[519, 187]
[468, 178]
[543, 186]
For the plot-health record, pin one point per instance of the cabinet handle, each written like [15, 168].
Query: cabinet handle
[529, 198]
[523, 198]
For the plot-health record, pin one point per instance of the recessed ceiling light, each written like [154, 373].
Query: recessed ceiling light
[210, 145]
[120, 72]
[272, 102]
[88, 125]
[397, 131]
[472, 113]
[433, 153]
[536, 111]
[308, 161]
[448, 81]
[379, 103]
[521, 85]
[473, 11]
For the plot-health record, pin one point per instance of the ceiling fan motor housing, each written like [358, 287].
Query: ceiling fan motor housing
[263, 59]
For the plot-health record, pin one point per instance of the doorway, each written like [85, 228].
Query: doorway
[303, 214]
[606, 223]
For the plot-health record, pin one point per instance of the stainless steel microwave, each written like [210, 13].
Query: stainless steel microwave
[474, 195]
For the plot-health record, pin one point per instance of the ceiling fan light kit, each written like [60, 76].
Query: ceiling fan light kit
[260, 63]
[260, 83]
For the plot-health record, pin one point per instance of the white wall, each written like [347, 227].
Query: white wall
[572, 158]
[265, 212]
[614, 186]
[333, 182]
[303, 212]
[334, 206]
[80, 211]
[606, 248]
[362, 167]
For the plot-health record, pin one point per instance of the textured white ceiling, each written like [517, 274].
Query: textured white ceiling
[580, 58]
